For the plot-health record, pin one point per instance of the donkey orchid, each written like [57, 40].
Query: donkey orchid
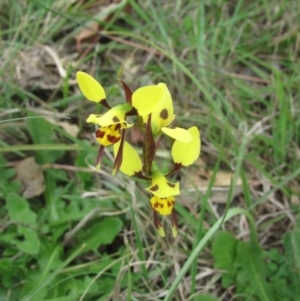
[151, 109]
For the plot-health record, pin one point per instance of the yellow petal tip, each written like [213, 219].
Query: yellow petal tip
[161, 231]
[92, 119]
[98, 166]
[174, 232]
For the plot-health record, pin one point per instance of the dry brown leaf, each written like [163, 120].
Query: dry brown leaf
[71, 129]
[295, 200]
[88, 32]
[200, 177]
[30, 174]
[223, 179]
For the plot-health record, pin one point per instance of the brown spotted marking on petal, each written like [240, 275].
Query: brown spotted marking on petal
[171, 184]
[169, 204]
[116, 119]
[154, 188]
[164, 114]
[112, 139]
[100, 134]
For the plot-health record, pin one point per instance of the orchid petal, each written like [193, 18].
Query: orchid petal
[145, 99]
[89, 87]
[179, 134]
[163, 114]
[187, 153]
[131, 162]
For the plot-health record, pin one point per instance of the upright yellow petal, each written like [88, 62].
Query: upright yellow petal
[187, 153]
[131, 162]
[145, 99]
[163, 114]
[89, 87]
[180, 134]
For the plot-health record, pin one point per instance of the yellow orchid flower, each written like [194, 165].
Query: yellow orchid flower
[163, 115]
[185, 154]
[90, 88]
[113, 121]
[153, 107]
[161, 188]
[111, 124]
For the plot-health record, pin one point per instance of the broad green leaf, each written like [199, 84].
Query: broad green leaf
[49, 258]
[252, 272]
[224, 252]
[102, 233]
[9, 270]
[42, 132]
[81, 161]
[19, 211]
[39, 289]
[292, 246]
[7, 185]
[280, 276]
[291, 241]
[29, 241]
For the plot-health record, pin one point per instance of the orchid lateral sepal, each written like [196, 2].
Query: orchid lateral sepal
[119, 156]
[99, 157]
[157, 224]
[174, 222]
[131, 164]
